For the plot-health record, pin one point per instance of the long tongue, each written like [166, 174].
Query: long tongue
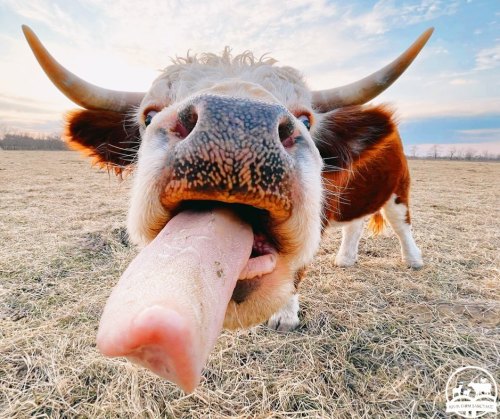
[167, 310]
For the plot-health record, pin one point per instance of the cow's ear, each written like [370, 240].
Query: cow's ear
[345, 134]
[108, 137]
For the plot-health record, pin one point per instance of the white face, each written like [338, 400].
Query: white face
[293, 224]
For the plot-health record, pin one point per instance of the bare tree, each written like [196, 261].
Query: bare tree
[469, 154]
[452, 151]
[414, 151]
[434, 151]
[3, 130]
[485, 155]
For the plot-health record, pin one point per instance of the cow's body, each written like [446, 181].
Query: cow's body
[369, 180]
[248, 135]
[374, 181]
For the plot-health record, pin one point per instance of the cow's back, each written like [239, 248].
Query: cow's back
[365, 185]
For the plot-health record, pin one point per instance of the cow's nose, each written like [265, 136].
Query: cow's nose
[236, 119]
[234, 150]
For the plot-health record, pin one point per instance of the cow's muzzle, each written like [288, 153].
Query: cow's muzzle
[232, 150]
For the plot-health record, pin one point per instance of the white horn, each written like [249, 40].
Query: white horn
[366, 89]
[79, 91]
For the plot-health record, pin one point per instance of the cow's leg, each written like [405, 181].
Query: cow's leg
[397, 214]
[287, 318]
[351, 234]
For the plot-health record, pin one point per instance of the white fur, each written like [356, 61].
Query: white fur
[146, 215]
[395, 214]
[351, 234]
[306, 221]
[192, 75]
[287, 318]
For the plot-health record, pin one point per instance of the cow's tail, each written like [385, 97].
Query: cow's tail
[376, 223]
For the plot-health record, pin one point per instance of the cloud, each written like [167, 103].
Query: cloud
[488, 58]
[479, 135]
[51, 15]
[413, 110]
[307, 34]
[302, 33]
[461, 82]
[28, 114]
[33, 122]
[26, 104]
[389, 14]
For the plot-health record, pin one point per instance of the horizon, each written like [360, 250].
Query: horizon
[449, 96]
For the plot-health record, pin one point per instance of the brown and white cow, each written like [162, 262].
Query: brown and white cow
[247, 133]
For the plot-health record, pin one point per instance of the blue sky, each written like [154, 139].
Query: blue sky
[450, 94]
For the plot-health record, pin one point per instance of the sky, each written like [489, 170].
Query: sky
[449, 96]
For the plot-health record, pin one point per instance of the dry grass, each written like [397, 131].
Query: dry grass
[376, 340]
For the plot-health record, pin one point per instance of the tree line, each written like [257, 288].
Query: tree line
[437, 152]
[26, 141]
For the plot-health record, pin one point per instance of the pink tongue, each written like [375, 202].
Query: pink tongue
[167, 310]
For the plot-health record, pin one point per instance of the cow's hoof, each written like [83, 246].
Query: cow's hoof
[414, 263]
[343, 261]
[283, 322]
[287, 318]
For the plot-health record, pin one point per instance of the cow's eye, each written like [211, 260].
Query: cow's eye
[306, 120]
[149, 117]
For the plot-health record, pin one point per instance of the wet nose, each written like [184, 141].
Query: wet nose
[239, 119]
[234, 150]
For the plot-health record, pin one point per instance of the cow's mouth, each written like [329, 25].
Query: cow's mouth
[266, 243]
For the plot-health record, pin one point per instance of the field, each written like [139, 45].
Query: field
[375, 340]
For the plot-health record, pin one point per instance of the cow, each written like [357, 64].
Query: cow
[242, 132]
[482, 388]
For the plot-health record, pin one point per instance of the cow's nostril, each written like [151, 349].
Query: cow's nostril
[285, 132]
[187, 119]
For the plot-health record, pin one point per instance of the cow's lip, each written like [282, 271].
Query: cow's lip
[266, 245]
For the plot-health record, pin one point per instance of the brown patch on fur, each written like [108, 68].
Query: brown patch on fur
[376, 223]
[364, 144]
[243, 289]
[299, 276]
[404, 199]
[105, 136]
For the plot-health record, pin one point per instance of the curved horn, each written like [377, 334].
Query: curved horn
[76, 89]
[366, 89]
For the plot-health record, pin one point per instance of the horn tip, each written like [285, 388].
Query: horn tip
[26, 29]
[427, 33]
[28, 33]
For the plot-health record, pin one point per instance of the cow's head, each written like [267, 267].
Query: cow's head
[223, 130]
